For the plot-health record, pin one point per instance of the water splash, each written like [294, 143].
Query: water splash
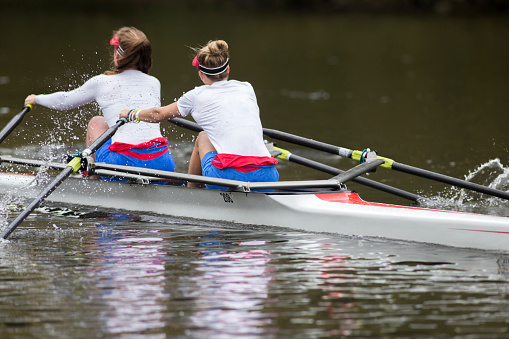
[12, 202]
[492, 174]
[495, 175]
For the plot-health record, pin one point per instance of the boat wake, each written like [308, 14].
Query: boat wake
[492, 174]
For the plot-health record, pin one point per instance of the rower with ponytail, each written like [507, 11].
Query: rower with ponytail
[231, 145]
[127, 83]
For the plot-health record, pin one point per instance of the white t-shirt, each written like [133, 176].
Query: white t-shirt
[229, 114]
[130, 89]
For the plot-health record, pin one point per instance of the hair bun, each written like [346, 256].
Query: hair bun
[213, 55]
[217, 47]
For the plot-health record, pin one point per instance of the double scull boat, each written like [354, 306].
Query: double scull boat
[311, 206]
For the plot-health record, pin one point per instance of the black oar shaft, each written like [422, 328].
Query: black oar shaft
[71, 167]
[11, 125]
[97, 143]
[449, 180]
[360, 180]
[344, 152]
[186, 124]
[283, 136]
[34, 204]
[298, 140]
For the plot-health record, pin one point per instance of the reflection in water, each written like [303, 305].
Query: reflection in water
[233, 289]
[129, 276]
[136, 284]
[123, 276]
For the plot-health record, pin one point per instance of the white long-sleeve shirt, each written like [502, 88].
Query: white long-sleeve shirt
[130, 89]
[228, 112]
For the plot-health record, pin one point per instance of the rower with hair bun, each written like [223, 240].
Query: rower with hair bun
[231, 145]
[127, 83]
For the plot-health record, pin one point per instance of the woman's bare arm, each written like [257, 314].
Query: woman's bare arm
[155, 114]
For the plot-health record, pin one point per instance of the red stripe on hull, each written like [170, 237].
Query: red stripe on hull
[462, 229]
[353, 198]
[22, 174]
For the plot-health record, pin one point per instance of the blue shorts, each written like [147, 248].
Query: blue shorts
[262, 174]
[164, 162]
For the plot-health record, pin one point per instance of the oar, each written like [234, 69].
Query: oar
[11, 125]
[389, 163]
[313, 164]
[286, 155]
[193, 126]
[72, 167]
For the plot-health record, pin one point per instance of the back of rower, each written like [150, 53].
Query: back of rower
[128, 83]
[231, 145]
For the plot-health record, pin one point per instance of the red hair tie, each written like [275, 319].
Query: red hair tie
[115, 41]
[196, 63]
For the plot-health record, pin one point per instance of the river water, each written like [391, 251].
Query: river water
[428, 91]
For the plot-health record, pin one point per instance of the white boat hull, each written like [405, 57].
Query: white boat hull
[337, 212]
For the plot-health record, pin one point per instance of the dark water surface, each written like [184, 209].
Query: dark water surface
[428, 91]
[147, 276]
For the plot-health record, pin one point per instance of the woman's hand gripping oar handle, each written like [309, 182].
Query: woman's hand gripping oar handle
[72, 167]
[11, 125]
